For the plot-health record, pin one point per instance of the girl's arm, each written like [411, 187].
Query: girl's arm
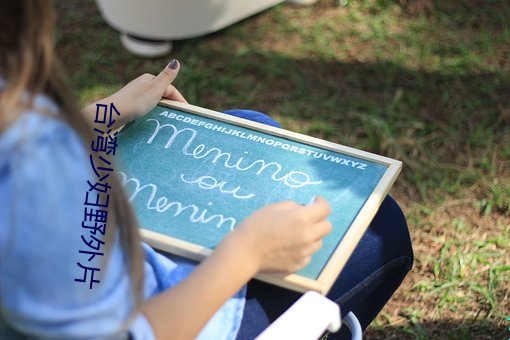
[280, 238]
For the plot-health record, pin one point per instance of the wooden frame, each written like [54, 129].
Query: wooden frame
[349, 241]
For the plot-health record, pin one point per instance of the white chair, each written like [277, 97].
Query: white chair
[308, 318]
[148, 27]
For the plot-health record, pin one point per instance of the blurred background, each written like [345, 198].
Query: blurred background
[427, 83]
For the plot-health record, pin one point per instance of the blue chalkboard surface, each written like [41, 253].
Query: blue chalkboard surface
[193, 175]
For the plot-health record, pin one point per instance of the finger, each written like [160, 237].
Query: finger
[284, 205]
[312, 248]
[318, 210]
[145, 78]
[322, 229]
[167, 76]
[316, 232]
[172, 93]
[297, 264]
[302, 263]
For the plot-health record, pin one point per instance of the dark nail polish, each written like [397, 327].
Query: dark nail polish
[173, 64]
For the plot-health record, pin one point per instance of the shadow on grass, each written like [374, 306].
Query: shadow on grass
[465, 13]
[442, 329]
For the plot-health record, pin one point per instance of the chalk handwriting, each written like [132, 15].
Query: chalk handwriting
[263, 140]
[209, 182]
[293, 179]
[163, 204]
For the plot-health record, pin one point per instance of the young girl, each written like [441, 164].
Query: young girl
[45, 171]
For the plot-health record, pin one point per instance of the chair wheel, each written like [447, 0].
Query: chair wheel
[145, 47]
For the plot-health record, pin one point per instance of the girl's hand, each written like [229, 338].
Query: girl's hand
[280, 237]
[141, 95]
[283, 236]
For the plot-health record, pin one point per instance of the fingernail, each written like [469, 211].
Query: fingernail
[173, 64]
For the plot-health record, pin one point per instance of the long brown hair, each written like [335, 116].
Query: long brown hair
[28, 63]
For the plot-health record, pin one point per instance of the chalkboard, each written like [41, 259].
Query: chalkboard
[193, 174]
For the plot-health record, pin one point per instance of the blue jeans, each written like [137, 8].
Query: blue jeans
[373, 273]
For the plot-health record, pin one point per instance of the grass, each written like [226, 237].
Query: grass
[432, 91]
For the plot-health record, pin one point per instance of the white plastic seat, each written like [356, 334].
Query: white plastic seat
[308, 318]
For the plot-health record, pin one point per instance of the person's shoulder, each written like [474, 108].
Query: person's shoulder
[41, 119]
[40, 128]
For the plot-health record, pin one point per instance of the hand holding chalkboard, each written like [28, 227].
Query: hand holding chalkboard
[141, 94]
[283, 236]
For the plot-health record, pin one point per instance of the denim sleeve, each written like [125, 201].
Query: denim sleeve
[44, 170]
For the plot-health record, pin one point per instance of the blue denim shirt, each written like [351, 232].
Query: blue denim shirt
[44, 169]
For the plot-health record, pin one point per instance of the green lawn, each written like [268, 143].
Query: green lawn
[431, 91]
